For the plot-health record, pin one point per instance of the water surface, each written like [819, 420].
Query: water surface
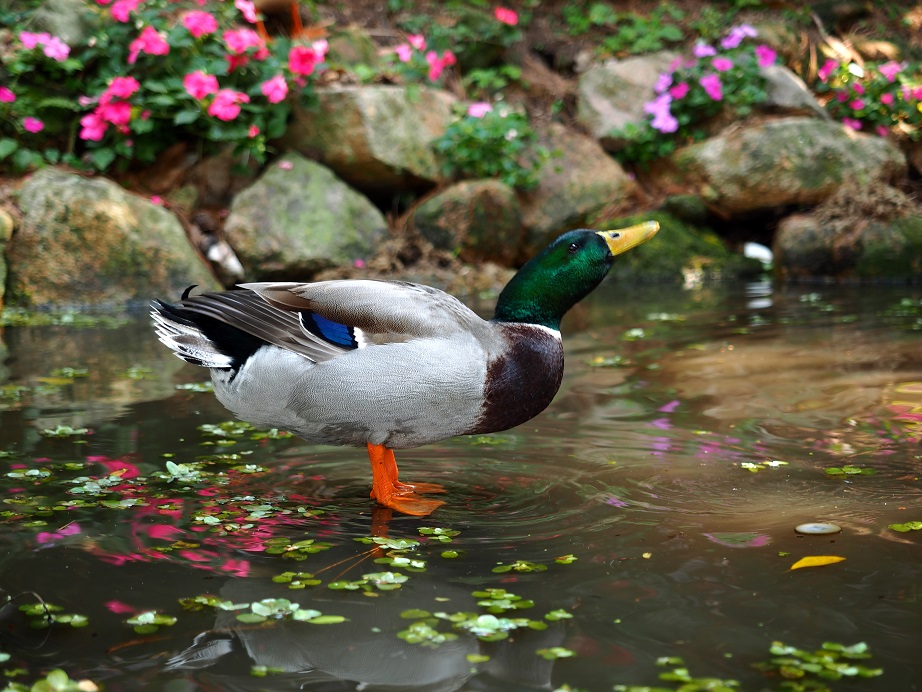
[650, 512]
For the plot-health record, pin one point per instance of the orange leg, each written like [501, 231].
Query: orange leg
[390, 492]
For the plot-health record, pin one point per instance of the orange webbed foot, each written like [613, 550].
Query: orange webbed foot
[388, 491]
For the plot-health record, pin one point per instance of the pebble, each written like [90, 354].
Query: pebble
[818, 528]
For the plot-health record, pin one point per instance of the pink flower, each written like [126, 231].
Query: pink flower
[712, 86]
[199, 23]
[438, 64]
[199, 85]
[765, 56]
[891, 69]
[842, 96]
[418, 41]
[679, 90]
[882, 131]
[404, 52]
[663, 82]
[248, 9]
[303, 59]
[736, 36]
[857, 104]
[150, 42]
[506, 16]
[886, 99]
[703, 50]
[827, 69]
[56, 49]
[858, 87]
[123, 8]
[274, 89]
[239, 40]
[663, 120]
[6, 96]
[158, 200]
[123, 87]
[30, 40]
[253, 131]
[722, 64]
[93, 127]
[479, 109]
[116, 112]
[225, 105]
[33, 124]
[851, 123]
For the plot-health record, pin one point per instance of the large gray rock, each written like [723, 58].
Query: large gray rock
[612, 94]
[299, 219]
[778, 162]
[374, 137]
[787, 93]
[87, 241]
[572, 186]
[477, 219]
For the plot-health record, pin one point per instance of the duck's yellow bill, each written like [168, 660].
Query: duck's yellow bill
[623, 239]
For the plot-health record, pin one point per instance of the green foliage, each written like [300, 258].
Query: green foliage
[808, 670]
[46, 614]
[150, 621]
[488, 81]
[906, 527]
[626, 32]
[501, 144]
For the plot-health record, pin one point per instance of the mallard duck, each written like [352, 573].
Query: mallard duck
[389, 364]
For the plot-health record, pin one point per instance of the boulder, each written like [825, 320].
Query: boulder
[375, 137]
[477, 219]
[577, 181]
[87, 241]
[612, 94]
[779, 162]
[787, 93]
[297, 219]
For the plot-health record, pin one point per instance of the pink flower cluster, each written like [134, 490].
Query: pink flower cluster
[668, 93]
[113, 109]
[416, 44]
[506, 16]
[52, 46]
[150, 41]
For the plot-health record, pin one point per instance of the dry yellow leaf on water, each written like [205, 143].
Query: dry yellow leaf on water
[816, 561]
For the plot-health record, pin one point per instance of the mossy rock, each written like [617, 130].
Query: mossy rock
[680, 252]
[891, 251]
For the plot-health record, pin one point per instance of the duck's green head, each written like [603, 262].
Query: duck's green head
[564, 273]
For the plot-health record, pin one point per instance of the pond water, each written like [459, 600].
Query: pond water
[650, 512]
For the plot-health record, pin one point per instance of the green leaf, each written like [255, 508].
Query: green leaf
[7, 147]
[102, 158]
[186, 117]
[327, 620]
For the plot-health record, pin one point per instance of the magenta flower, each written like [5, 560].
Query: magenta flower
[437, 64]
[663, 119]
[123, 87]
[679, 90]
[248, 9]
[765, 56]
[886, 98]
[274, 89]
[150, 42]
[404, 52]
[662, 83]
[226, 104]
[506, 16]
[123, 8]
[479, 109]
[93, 127]
[857, 104]
[703, 50]
[852, 123]
[30, 40]
[302, 60]
[827, 69]
[199, 23]
[858, 87]
[239, 40]
[116, 112]
[736, 36]
[56, 49]
[882, 131]
[253, 131]
[891, 69]
[722, 64]
[712, 86]
[418, 41]
[7, 96]
[33, 125]
[199, 85]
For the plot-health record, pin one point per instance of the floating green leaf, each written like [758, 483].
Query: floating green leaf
[908, 526]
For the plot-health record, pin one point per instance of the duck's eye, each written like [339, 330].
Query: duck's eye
[573, 248]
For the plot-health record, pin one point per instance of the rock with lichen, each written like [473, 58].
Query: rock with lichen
[87, 241]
